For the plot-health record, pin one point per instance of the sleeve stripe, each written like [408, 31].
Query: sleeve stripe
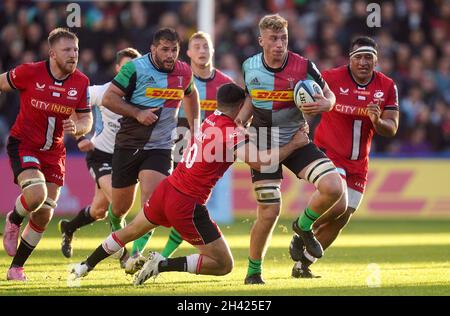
[10, 81]
[82, 110]
[118, 85]
[391, 107]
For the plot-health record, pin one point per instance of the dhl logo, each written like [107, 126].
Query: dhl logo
[168, 94]
[208, 105]
[278, 95]
[392, 189]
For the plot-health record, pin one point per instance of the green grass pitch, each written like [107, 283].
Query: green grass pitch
[371, 257]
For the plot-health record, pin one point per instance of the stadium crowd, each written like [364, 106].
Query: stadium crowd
[414, 48]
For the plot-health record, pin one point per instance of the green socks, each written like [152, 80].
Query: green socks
[172, 244]
[254, 266]
[307, 219]
[116, 222]
[140, 243]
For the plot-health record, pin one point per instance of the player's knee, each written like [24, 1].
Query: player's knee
[226, 265]
[269, 212]
[332, 186]
[35, 194]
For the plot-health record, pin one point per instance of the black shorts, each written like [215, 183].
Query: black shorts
[296, 162]
[99, 164]
[127, 163]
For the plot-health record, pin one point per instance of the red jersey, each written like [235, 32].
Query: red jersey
[208, 157]
[346, 132]
[44, 103]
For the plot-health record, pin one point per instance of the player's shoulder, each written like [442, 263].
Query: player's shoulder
[182, 67]
[338, 73]
[222, 77]
[38, 67]
[79, 75]
[253, 62]
[384, 79]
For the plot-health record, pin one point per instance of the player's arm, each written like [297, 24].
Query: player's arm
[245, 114]
[4, 84]
[113, 100]
[78, 124]
[323, 103]
[248, 153]
[191, 104]
[385, 123]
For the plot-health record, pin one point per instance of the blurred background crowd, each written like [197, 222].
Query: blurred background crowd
[414, 48]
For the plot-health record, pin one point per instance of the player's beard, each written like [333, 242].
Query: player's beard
[161, 64]
[66, 67]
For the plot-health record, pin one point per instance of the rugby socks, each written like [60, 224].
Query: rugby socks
[20, 211]
[172, 244]
[82, 219]
[254, 266]
[140, 243]
[116, 222]
[191, 264]
[307, 219]
[110, 245]
[31, 236]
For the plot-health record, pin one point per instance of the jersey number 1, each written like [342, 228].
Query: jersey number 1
[356, 143]
[49, 133]
[190, 155]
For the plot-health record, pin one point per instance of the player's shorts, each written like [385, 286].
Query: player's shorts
[127, 163]
[99, 164]
[51, 164]
[170, 208]
[296, 162]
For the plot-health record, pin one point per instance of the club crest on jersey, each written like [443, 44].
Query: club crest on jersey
[40, 87]
[378, 94]
[344, 91]
[72, 92]
[291, 83]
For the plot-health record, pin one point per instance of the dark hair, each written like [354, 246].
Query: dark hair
[167, 34]
[363, 41]
[59, 33]
[230, 95]
[126, 52]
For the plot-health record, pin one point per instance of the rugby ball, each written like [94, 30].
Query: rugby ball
[304, 91]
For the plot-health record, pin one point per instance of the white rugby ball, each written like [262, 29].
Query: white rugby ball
[304, 91]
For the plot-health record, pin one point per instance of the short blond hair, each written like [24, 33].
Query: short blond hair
[274, 22]
[202, 35]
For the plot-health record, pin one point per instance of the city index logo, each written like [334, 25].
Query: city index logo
[351, 110]
[208, 105]
[168, 94]
[277, 95]
[51, 107]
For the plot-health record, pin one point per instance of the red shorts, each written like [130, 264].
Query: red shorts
[51, 164]
[170, 208]
[355, 172]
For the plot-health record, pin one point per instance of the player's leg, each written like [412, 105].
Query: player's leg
[195, 225]
[268, 196]
[156, 166]
[113, 243]
[32, 197]
[172, 244]
[33, 233]
[87, 215]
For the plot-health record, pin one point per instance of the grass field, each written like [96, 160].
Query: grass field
[413, 258]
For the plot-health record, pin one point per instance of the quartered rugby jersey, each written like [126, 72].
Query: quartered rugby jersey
[272, 93]
[147, 86]
[207, 92]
